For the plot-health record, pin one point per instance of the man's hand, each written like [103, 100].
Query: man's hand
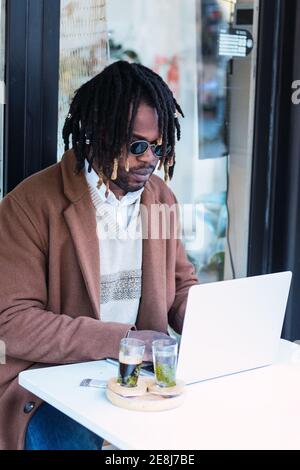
[147, 336]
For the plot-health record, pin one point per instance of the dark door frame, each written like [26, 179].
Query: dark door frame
[32, 71]
[274, 229]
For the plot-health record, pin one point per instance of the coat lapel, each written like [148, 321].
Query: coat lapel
[153, 304]
[81, 220]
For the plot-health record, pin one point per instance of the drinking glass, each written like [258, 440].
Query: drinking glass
[130, 361]
[165, 361]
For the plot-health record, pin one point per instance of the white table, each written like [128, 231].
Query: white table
[258, 409]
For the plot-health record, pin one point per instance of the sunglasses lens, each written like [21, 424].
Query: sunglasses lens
[138, 147]
[159, 148]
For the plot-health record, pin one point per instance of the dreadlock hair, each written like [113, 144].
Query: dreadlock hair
[103, 110]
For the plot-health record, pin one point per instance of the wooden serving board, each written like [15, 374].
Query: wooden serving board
[143, 402]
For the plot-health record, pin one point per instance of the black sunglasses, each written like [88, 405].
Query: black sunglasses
[138, 147]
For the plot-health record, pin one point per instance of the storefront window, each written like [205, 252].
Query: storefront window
[206, 51]
[2, 88]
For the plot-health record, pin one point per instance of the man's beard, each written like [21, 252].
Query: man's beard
[125, 180]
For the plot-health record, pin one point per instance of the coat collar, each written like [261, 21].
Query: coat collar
[81, 220]
[75, 186]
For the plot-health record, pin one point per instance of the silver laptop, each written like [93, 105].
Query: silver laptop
[232, 326]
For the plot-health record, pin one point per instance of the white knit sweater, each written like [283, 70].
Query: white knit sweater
[120, 245]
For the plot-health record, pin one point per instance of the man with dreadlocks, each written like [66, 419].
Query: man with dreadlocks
[69, 292]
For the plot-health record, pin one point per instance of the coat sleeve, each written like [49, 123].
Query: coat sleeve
[185, 277]
[29, 331]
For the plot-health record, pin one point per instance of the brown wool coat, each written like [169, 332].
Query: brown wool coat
[50, 284]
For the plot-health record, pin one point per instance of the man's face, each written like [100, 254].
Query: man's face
[140, 167]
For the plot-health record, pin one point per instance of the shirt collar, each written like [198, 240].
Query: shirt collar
[92, 180]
